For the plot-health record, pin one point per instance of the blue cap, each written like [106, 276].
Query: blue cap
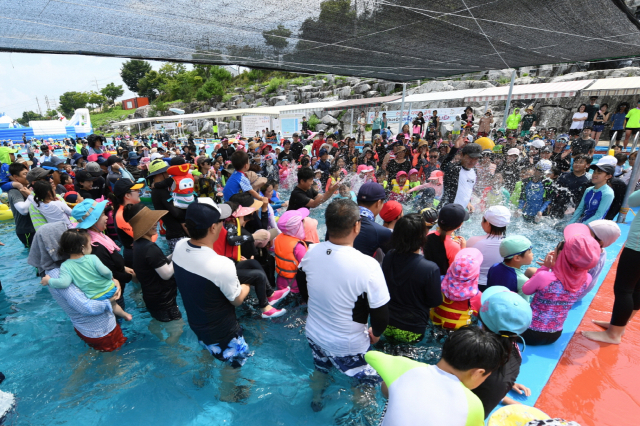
[503, 310]
[323, 152]
[205, 212]
[76, 156]
[88, 212]
[370, 192]
[101, 160]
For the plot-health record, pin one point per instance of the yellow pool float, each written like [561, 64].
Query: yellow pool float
[5, 213]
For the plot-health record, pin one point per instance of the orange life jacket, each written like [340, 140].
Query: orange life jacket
[122, 224]
[286, 262]
[452, 314]
[225, 249]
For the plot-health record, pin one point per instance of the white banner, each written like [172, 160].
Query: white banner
[393, 117]
[255, 123]
[165, 126]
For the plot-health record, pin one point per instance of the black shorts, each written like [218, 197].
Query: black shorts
[634, 130]
[619, 134]
[26, 239]
[166, 315]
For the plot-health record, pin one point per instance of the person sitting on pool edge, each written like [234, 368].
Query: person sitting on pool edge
[516, 251]
[469, 356]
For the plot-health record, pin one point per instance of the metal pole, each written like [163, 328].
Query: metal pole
[351, 127]
[506, 109]
[486, 105]
[404, 92]
[613, 139]
[635, 174]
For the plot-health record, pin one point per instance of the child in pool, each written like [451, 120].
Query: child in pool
[516, 251]
[344, 191]
[460, 295]
[85, 270]
[413, 178]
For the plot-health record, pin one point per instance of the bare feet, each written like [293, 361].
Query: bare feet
[604, 324]
[602, 336]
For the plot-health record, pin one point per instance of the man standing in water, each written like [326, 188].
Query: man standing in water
[460, 178]
[344, 288]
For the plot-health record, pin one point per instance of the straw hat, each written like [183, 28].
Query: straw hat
[144, 220]
[255, 180]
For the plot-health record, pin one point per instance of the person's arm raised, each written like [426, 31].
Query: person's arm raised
[321, 198]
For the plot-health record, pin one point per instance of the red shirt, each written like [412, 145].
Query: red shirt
[315, 148]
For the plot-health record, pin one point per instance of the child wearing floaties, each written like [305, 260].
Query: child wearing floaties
[460, 294]
[399, 186]
[413, 178]
[290, 247]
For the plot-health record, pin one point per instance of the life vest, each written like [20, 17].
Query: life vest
[452, 314]
[395, 188]
[286, 262]
[122, 224]
[225, 249]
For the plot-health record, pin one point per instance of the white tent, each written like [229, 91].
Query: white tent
[438, 96]
[614, 86]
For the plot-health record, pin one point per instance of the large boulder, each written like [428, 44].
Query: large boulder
[142, 112]
[207, 127]
[432, 86]
[386, 88]
[371, 94]
[305, 88]
[275, 99]
[223, 128]
[551, 116]
[324, 94]
[361, 88]
[261, 101]
[280, 103]
[321, 127]
[498, 74]
[353, 81]
[328, 119]
[249, 97]
[343, 92]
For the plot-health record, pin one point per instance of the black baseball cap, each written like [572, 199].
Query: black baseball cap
[453, 215]
[124, 186]
[607, 168]
[371, 191]
[205, 212]
[112, 160]
[83, 176]
[473, 150]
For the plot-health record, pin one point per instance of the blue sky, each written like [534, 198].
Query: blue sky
[25, 76]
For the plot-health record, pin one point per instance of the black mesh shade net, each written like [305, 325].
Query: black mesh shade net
[398, 40]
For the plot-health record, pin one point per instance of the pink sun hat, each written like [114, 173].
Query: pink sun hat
[291, 223]
[461, 281]
[363, 168]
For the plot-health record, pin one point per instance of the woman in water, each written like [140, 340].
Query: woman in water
[413, 281]
[494, 224]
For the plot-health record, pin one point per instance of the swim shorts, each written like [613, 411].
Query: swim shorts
[108, 295]
[236, 353]
[353, 365]
[108, 343]
[402, 336]
[166, 315]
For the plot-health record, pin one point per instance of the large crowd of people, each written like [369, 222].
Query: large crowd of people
[84, 215]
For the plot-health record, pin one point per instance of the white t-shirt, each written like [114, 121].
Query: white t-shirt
[490, 249]
[466, 182]
[53, 211]
[578, 124]
[336, 278]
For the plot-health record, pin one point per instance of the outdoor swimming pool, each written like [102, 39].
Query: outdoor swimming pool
[57, 379]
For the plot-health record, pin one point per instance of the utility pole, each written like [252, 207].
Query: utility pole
[96, 80]
[39, 110]
[46, 99]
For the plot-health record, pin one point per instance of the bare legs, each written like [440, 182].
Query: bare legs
[612, 333]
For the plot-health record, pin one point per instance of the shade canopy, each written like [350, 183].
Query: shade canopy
[564, 89]
[271, 111]
[362, 103]
[614, 86]
[439, 96]
[396, 40]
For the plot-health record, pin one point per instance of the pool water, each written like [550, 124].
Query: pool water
[57, 379]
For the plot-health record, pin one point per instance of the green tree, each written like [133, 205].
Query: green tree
[171, 70]
[29, 116]
[211, 89]
[96, 99]
[51, 114]
[132, 72]
[149, 85]
[277, 37]
[112, 92]
[70, 101]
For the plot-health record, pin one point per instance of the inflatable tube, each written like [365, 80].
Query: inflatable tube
[518, 414]
[5, 213]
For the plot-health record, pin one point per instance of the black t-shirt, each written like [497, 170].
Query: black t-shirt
[174, 219]
[527, 121]
[225, 152]
[296, 150]
[435, 251]
[575, 184]
[158, 294]
[414, 286]
[499, 383]
[563, 164]
[591, 111]
[287, 155]
[300, 198]
[582, 146]
[372, 236]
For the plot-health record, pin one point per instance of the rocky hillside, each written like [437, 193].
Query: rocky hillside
[555, 112]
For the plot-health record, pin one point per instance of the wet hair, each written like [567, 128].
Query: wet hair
[73, 241]
[471, 347]
[581, 157]
[41, 190]
[496, 231]
[409, 233]
[239, 159]
[16, 168]
[264, 188]
[305, 173]
[340, 217]
[305, 165]
[242, 198]
[556, 171]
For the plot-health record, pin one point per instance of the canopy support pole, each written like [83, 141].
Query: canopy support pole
[506, 109]
[635, 174]
[404, 92]
[351, 127]
[410, 105]
[486, 105]
[139, 131]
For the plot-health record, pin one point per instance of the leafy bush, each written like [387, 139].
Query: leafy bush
[275, 84]
[504, 80]
[313, 121]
